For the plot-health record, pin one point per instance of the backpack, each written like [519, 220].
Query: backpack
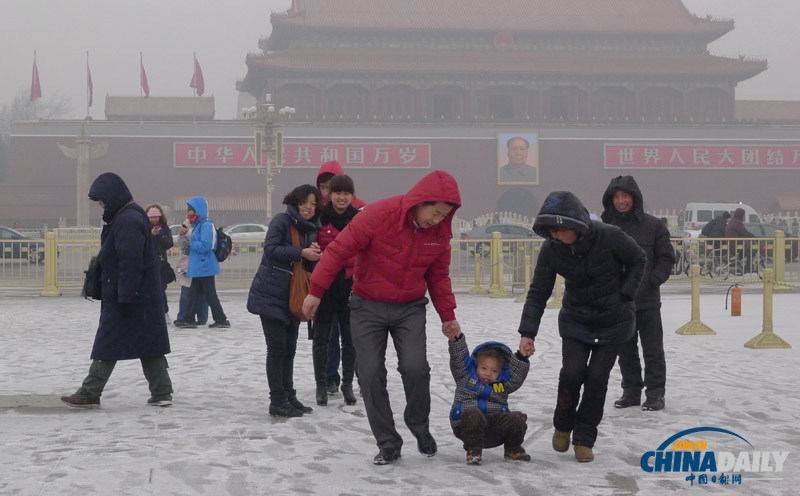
[222, 246]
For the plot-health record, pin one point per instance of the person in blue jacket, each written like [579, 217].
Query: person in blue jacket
[132, 322]
[203, 265]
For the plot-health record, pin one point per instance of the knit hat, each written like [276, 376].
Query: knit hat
[154, 212]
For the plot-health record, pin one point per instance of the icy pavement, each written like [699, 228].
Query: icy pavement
[218, 439]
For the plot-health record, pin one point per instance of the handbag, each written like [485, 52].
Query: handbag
[167, 274]
[92, 289]
[300, 283]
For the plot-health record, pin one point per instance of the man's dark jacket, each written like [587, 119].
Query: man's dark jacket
[132, 322]
[649, 233]
[602, 271]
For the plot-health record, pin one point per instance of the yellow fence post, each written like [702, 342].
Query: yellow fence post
[50, 266]
[779, 261]
[767, 338]
[498, 289]
[695, 326]
[555, 303]
[477, 289]
[521, 298]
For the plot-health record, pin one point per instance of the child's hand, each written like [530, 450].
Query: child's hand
[451, 329]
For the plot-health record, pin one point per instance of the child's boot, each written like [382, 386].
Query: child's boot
[560, 441]
[474, 456]
[517, 455]
[583, 453]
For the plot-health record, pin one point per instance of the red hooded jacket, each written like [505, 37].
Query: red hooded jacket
[397, 262]
[334, 168]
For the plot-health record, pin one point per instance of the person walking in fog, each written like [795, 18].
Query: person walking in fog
[402, 250]
[269, 292]
[602, 268]
[132, 322]
[203, 265]
[624, 207]
[335, 305]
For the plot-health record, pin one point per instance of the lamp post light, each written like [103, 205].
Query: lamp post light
[269, 143]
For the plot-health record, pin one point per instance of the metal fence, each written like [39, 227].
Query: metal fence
[496, 265]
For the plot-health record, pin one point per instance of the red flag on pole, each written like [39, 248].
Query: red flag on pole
[36, 88]
[145, 86]
[198, 83]
[89, 85]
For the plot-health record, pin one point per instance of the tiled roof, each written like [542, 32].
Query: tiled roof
[768, 110]
[160, 108]
[589, 16]
[506, 63]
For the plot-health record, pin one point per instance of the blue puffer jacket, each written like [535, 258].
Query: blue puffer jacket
[202, 261]
[269, 293]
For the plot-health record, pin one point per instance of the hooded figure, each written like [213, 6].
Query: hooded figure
[653, 237]
[735, 227]
[132, 323]
[401, 247]
[326, 172]
[602, 268]
[649, 233]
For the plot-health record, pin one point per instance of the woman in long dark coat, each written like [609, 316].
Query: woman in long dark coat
[269, 293]
[132, 323]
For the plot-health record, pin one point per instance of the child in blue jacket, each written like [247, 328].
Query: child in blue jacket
[480, 416]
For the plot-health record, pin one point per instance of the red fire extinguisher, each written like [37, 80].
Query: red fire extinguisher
[736, 300]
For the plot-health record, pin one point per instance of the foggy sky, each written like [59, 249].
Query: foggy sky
[222, 33]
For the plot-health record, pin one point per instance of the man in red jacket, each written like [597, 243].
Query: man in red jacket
[402, 250]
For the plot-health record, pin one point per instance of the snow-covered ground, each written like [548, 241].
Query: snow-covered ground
[218, 438]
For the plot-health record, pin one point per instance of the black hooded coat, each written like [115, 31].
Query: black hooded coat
[132, 322]
[602, 271]
[649, 233]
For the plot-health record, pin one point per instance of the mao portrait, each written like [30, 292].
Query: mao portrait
[517, 158]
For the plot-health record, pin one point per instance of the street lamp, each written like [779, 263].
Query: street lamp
[269, 143]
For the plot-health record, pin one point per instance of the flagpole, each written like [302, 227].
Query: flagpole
[141, 66]
[87, 83]
[194, 100]
[37, 74]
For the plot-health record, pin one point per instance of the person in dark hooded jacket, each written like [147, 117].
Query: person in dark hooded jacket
[401, 247]
[624, 207]
[269, 293]
[132, 322]
[602, 269]
[735, 229]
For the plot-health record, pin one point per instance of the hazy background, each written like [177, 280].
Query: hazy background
[223, 32]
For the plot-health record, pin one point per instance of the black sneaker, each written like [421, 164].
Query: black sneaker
[224, 323]
[284, 409]
[386, 456]
[159, 402]
[426, 444]
[185, 325]
[653, 404]
[77, 401]
[627, 400]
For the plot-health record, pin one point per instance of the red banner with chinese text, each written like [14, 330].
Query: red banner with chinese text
[649, 156]
[365, 155]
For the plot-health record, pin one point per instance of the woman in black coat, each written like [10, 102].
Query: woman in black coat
[162, 239]
[269, 293]
[602, 268]
[132, 323]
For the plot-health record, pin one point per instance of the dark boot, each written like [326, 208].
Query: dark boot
[347, 392]
[653, 404]
[296, 403]
[282, 408]
[628, 399]
[322, 394]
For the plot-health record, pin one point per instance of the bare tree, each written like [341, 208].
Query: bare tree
[21, 108]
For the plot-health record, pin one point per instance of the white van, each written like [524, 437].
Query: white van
[697, 215]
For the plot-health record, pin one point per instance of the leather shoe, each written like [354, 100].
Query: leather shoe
[653, 404]
[386, 456]
[627, 400]
[426, 444]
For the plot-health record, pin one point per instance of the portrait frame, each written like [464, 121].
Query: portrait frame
[528, 176]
